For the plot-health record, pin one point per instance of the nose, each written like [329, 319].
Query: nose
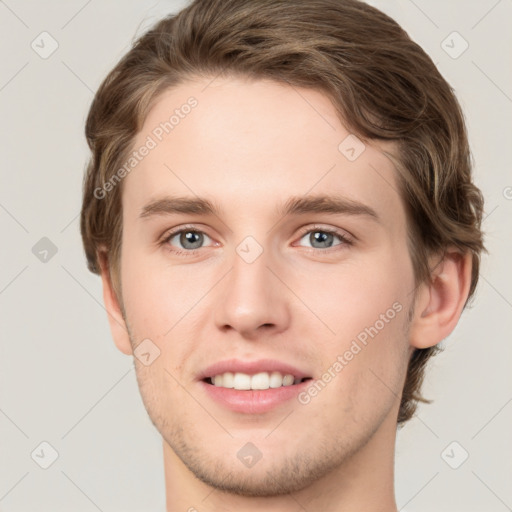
[252, 299]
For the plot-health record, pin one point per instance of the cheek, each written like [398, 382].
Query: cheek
[365, 307]
[157, 296]
[351, 297]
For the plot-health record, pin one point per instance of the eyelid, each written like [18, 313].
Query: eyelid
[345, 236]
[171, 233]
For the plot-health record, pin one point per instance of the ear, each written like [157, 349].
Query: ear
[116, 320]
[440, 301]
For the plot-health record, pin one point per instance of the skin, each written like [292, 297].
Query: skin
[249, 146]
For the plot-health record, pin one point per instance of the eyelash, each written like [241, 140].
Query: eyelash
[344, 239]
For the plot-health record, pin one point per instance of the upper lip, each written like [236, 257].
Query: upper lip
[251, 368]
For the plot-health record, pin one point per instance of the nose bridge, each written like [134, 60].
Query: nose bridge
[251, 296]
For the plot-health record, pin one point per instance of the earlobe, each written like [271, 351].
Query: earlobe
[116, 320]
[440, 302]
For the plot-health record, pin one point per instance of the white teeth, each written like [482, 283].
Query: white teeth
[242, 381]
[288, 380]
[262, 380]
[276, 380]
[228, 380]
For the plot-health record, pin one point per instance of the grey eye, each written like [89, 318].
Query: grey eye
[189, 239]
[319, 239]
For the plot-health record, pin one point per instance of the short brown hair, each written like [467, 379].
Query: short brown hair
[382, 84]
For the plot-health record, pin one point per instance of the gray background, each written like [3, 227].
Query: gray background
[62, 380]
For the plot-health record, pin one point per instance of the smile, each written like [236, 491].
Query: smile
[258, 381]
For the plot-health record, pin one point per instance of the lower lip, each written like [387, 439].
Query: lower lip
[253, 401]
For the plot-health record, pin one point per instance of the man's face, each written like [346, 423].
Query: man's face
[250, 283]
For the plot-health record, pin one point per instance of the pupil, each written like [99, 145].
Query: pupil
[324, 239]
[193, 238]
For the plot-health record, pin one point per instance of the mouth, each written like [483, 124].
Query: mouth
[253, 386]
[259, 381]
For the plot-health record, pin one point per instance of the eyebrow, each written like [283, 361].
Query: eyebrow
[293, 206]
[326, 204]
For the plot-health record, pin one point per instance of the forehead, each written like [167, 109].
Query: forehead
[252, 144]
